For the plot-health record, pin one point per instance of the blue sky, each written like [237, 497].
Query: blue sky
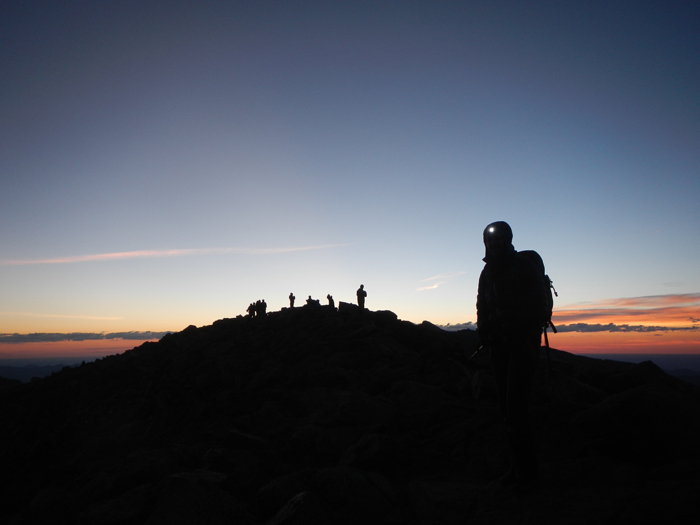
[234, 151]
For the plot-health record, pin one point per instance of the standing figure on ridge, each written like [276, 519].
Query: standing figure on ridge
[251, 310]
[291, 300]
[509, 307]
[331, 302]
[361, 294]
[263, 307]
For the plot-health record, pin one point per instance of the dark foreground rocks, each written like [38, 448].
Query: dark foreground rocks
[315, 416]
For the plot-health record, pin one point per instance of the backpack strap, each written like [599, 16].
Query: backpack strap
[546, 343]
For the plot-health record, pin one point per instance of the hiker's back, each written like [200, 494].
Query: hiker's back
[510, 296]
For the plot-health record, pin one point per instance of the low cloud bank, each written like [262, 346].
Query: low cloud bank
[79, 336]
[456, 327]
[585, 327]
[611, 327]
[665, 310]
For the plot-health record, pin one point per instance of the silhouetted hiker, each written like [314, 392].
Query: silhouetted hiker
[331, 302]
[291, 300]
[509, 306]
[263, 307]
[361, 294]
[251, 310]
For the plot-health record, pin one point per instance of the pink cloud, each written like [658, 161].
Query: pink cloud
[662, 310]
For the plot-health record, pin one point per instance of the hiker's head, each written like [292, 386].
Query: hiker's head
[497, 238]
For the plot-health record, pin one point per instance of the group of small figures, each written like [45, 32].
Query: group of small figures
[361, 294]
[312, 302]
[257, 308]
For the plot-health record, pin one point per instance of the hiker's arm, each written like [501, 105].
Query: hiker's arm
[482, 311]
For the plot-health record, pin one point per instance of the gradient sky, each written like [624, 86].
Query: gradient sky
[167, 163]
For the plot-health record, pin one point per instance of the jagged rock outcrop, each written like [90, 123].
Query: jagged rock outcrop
[312, 415]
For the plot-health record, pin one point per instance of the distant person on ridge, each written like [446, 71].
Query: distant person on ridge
[251, 310]
[263, 307]
[291, 300]
[509, 307]
[361, 294]
[331, 302]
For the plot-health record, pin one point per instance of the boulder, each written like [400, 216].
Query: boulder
[350, 495]
[420, 404]
[357, 409]
[272, 497]
[194, 498]
[377, 453]
[442, 500]
[302, 509]
[641, 425]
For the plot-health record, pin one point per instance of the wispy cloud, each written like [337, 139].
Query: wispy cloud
[165, 253]
[431, 287]
[673, 312]
[444, 276]
[439, 279]
[79, 336]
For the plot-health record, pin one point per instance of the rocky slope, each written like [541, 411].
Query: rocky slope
[312, 416]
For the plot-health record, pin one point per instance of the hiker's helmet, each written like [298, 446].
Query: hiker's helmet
[500, 230]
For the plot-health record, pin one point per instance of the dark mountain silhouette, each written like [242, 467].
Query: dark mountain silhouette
[689, 376]
[313, 416]
[28, 372]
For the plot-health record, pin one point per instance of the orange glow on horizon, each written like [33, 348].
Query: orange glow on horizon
[573, 342]
[627, 342]
[93, 349]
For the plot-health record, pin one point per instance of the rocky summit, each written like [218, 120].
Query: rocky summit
[320, 416]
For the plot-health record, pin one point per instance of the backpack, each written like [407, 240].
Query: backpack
[548, 285]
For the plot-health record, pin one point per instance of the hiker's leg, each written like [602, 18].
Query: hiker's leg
[499, 362]
[520, 378]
